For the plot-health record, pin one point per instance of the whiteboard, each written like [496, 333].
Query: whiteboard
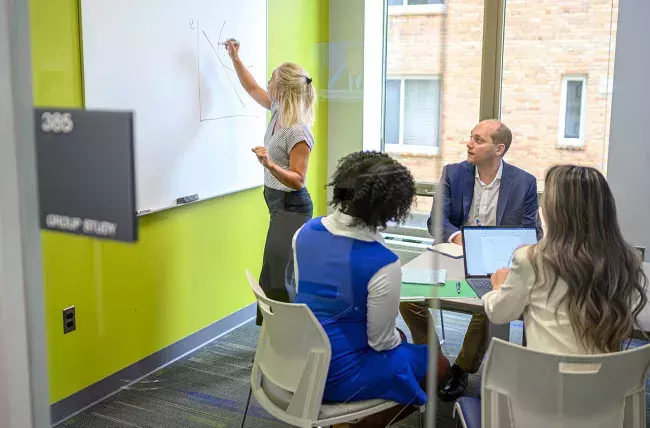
[165, 60]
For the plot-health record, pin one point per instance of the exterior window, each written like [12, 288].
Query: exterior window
[572, 111]
[412, 115]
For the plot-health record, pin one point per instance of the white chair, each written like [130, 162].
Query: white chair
[290, 368]
[526, 388]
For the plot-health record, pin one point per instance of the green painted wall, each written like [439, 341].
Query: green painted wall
[187, 270]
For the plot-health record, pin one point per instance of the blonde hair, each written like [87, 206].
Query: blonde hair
[295, 94]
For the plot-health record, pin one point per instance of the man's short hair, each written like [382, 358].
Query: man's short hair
[502, 135]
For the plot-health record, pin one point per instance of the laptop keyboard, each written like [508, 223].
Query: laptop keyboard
[480, 286]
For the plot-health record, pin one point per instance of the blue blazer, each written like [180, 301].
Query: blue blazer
[517, 204]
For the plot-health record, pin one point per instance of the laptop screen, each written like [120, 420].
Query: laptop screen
[488, 249]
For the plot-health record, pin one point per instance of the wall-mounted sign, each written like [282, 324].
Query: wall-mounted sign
[86, 178]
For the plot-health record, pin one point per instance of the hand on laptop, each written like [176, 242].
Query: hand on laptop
[499, 277]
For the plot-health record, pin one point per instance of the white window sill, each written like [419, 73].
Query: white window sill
[399, 149]
[570, 144]
[420, 9]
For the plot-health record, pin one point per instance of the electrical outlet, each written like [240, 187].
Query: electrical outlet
[69, 320]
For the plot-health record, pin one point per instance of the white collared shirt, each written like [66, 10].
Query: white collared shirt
[484, 202]
[384, 288]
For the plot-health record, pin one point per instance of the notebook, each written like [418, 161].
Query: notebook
[424, 276]
[448, 249]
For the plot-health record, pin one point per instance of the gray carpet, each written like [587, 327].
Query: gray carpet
[209, 387]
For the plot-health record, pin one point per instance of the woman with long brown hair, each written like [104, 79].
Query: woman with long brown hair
[582, 287]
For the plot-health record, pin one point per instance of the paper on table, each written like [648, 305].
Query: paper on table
[424, 276]
[448, 249]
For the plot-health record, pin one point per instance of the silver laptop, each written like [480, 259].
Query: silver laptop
[490, 248]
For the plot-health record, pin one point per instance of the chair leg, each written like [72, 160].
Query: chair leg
[442, 327]
[421, 414]
[248, 402]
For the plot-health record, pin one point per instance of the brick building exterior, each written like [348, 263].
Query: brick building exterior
[547, 43]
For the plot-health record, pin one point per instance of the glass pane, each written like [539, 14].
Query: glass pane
[573, 107]
[557, 119]
[434, 56]
[392, 114]
[420, 212]
[395, 2]
[421, 112]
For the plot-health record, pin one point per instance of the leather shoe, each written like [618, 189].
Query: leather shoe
[455, 386]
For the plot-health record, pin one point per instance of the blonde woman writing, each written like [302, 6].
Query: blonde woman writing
[285, 156]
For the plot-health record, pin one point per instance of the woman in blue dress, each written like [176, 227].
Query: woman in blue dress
[351, 281]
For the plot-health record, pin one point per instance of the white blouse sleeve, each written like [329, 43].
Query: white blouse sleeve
[295, 257]
[384, 291]
[510, 300]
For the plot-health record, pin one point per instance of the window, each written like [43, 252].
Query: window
[557, 102]
[572, 111]
[431, 76]
[412, 115]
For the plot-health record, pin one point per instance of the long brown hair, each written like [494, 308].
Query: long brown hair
[584, 246]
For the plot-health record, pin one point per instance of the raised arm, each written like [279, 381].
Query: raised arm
[246, 78]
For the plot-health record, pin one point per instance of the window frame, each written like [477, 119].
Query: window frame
[412, 149]
[562, 140]
[417, 9]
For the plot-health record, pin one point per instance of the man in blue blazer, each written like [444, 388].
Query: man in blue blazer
[481, 190]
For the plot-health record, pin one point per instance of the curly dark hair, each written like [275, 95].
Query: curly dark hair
[373, 188]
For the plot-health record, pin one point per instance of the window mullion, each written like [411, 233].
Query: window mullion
[402, 98]
[492, 60]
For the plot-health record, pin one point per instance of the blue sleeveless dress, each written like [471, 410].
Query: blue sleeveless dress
[333, 274]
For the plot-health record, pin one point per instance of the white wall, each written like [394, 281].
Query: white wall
[629, 147]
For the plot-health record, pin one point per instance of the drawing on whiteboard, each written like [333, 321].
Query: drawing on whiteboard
[223, 64]
[220, 94]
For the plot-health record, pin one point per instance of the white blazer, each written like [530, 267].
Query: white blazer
[544, 330]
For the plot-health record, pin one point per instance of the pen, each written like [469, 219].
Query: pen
[458, 287]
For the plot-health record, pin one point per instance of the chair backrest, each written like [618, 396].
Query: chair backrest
[292, 360]
[640, 252]
[526, 388]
